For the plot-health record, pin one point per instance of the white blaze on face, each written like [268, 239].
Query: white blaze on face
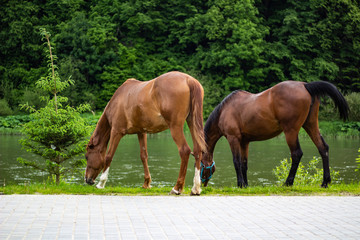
[197, 182]
[103, 179]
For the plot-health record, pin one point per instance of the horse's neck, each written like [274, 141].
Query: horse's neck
[211, 137]
[102, 133]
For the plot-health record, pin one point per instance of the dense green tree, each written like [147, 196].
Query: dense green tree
[21, 52]
[338, 31]
[18, 49]
[229, 40]
[226, 44]
[311, 40]
[56, 132]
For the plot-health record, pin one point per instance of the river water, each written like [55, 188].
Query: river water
[164, 161]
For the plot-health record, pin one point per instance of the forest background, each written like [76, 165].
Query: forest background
[227, 45]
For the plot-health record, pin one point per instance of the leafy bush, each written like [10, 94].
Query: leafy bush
[339, 128]
[358, 161]
[10, 123]
[305, 175]
[353, 100]
[328, 110]
[31, 97]
[5, 110]
[92, 119]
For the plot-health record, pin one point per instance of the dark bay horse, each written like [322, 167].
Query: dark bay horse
[243, 117]
[150, 107]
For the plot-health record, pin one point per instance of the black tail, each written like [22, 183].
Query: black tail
[321, 89]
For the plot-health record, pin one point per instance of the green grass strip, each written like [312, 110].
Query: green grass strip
[75, 189]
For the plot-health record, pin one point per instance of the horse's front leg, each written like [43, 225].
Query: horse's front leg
[235, 149]
[244, 150]
[144, 158]
[114, 141]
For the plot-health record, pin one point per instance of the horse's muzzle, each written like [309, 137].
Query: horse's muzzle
[89, 181]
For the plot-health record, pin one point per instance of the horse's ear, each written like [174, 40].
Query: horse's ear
[93, 142]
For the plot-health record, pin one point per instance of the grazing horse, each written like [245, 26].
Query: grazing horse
[243, 117]
[150, 107]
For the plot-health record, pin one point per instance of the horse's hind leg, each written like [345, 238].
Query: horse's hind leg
[197, 152]
[324, 152]
[296, 154]
[313, 130]
[144, 158]
[184, 151]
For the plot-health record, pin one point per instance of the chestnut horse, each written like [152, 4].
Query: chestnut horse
[243, 117]
[150, 107]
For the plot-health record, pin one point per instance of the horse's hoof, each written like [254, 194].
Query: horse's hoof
[146, 186]
[174, 192]
[324, 185]
[288, 184]
[326, 182]
[195, 191]
[194, 194]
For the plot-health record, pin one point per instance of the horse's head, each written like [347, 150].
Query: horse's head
[207, 168]
[95, 163]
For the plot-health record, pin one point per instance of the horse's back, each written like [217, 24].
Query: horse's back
[248, 114]
[148, 106]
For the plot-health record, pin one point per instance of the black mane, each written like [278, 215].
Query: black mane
[214, 116]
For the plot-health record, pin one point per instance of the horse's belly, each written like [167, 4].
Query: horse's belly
[152, 124]
[262, 137]
[156, 127]
[258, 131]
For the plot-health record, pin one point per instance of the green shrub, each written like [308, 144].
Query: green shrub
[305, 175]
[327, 109]
[56, 133]
[330, 113]
[353, 100]
[340, 128]
[31, 97]
[5, 110]
[358, 161]
[14, 121]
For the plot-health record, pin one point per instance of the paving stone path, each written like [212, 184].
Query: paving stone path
[184, 217]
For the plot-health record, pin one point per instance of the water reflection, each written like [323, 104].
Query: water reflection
[164, 161]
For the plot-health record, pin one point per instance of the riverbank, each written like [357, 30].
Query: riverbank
[71, 189]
